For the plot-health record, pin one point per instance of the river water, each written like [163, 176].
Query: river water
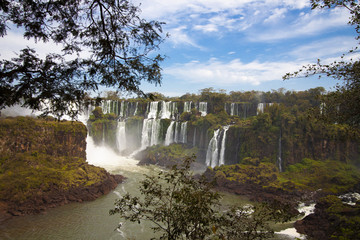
[91, 220]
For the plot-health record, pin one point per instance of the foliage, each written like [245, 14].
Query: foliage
[183, 207]
[167, 155]
[308, 175]
[341, 106]
[330, 176]
[24, 175]
[120, 46]
[39, 155]
[259, 173]
[174, 202]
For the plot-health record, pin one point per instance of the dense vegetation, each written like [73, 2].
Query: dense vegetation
[43, 158]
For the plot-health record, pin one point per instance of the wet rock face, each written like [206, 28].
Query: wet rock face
[43, 164]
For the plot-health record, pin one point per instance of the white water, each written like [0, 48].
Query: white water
[105, 157]
[187, 106]
[279, 155]
[165, 110]
[122, 109]
[176, 135]
[203, 108]
[232, 109]
[260, 108]
[168, 110]
[169, 138]
[183, 132]
[121, 136]
[223, 142]
[212, 154]
[150, 132]
[215, 155]
[153, 109]
[291, 232]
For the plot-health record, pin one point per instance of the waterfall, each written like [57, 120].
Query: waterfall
[122, 109]
[212, 154]
[279, 154]
[168, 110]
[183, 132]
[234, 109]
[169, 138]
[260, 108]
[136, 109]
[223, 146]
[120, 136]
[165, 110]
[194, 138]
[106, 106]
[187, 106]
[176, 137]
[150, 132]
[215, 155]
[152, 109]
[203, 108]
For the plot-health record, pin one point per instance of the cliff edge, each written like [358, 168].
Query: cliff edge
[43, 164]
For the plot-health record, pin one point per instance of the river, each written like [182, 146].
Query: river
[91, 220]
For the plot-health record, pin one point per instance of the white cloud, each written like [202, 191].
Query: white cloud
[333, 47]
[234, 72]
[178, 36]
[14, 41]
[216, 16]
[313, 23]
[277, 14]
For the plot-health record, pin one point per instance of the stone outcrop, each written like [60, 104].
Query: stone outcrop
[43, 165]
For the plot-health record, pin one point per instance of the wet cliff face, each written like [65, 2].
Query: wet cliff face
[281, 133]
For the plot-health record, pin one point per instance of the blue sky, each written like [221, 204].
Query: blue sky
[237, 45]
[245, 44]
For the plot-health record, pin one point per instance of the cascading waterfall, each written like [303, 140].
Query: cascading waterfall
[212, 154]
[215, 155]
[223, 146]
[152, 109]
[150, 133]
[260, 108]
[169, 138]
[106, 106]
[279, 155]
[183, 132]
[187, 106]
[203, 108]
[194, 138]
[136, 109]
[122, 109]
[168, 110]
[176, 136]
[121, 136]
[234, 109]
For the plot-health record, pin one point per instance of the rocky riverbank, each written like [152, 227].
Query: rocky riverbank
[43, 165]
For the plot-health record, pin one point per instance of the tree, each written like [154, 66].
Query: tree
[183, 207]
[119, 43]
[342, 105]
